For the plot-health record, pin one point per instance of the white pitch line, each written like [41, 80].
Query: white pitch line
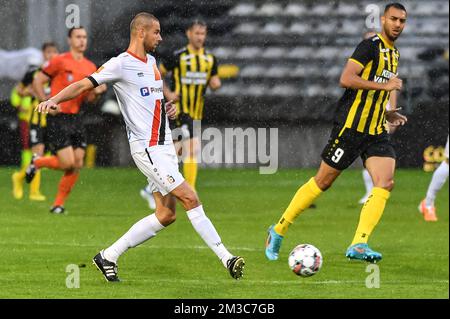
[300, 281]
[48, 243]
[145, 246]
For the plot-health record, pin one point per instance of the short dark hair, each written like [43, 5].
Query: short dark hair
[197, 22]
[69, 34]
[49, 45]
[395, 5]
[138, 17]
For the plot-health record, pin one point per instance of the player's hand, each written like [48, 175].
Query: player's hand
[396, 119]
[171, 110]
[48, 107]
[394, 84]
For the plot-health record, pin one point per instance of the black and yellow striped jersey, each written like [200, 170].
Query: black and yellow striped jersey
[38, 119]
[364, 110]
[28, 103]
[191, 73]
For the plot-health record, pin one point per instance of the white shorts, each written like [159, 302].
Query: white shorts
[446, 149]
[160, 165]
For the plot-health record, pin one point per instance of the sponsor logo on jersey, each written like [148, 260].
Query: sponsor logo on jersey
[145, 91]
[156, 90]
[385, 76]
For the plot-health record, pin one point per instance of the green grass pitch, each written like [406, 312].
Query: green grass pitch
[37, 246]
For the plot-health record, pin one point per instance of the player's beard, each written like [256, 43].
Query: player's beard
[150, 48]
[391, 36]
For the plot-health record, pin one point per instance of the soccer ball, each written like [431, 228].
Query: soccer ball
[305, 260]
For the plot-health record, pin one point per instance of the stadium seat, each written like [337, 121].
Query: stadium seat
[248, 52]
[247, 28]
[299, 28]
[244, 9]
[270, 10]
[295, 9]
[273, 28]
[322, 9]
[274, 53]
[349, 10]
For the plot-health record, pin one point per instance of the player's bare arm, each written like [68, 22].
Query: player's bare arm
[215, 83]
[168, 94]
[95, 93]
[351, 79]
[70, 92]
[39, 81]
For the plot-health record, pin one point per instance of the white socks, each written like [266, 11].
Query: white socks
[367, 181]
[147, 228]
[208, 233]
[140, 232]
[439, 178]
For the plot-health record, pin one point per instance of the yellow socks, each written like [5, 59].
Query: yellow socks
[190, 169]
[304, 197]
[35, 193]
[26, 158]
[18, 178]
[371, 214]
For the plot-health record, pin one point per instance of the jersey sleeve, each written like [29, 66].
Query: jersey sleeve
[364, 53]
[215, 67]
[52, 67]
[109, 72]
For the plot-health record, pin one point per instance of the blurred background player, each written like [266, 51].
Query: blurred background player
[369, 77]
[65, 131]
[193, 69]
[32, 127]
[438, 180]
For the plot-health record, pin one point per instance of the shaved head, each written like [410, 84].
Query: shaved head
[142, 20]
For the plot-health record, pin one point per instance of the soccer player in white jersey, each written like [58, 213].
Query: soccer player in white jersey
[438, 180]
[139, 90]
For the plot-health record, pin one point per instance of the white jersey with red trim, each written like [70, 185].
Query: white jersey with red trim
[139, 90]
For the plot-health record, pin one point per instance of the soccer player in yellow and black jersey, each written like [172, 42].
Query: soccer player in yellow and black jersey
[193, 69]
[36, 127]
[370, 77]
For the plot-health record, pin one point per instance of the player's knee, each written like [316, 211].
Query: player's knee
[78, 164]
[166, 216]
[190, 200]
[387, 185]
[324, 183]
[67, 165]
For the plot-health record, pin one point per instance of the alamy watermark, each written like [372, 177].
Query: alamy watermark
[373, 279]
[230, 146]
[73, 16]
[73, 277]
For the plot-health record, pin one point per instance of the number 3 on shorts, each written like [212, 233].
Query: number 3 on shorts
[337, 155]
